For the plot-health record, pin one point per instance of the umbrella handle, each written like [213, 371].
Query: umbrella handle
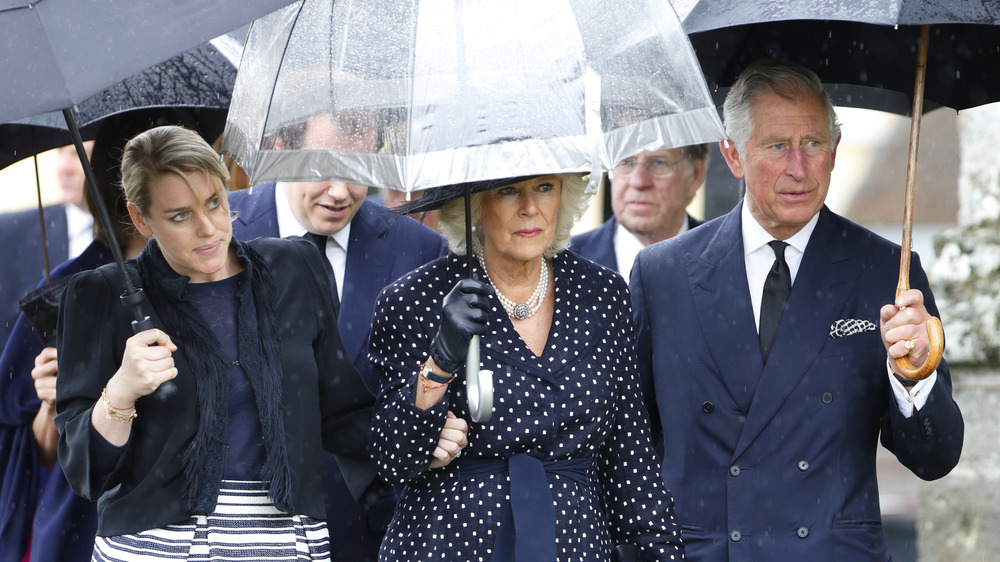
[478, 385]
[166, 388]
[935, 335]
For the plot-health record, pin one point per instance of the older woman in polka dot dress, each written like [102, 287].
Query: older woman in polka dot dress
[564, 470]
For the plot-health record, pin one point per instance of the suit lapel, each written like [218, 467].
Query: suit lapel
[256, 213]
[57, 234]
[719, 285]
[369, 269]
[826, 278]
[604, 253]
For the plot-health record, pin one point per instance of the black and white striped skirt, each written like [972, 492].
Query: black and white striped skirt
[244, 526]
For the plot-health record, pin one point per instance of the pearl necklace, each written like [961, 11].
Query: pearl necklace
[527, 309]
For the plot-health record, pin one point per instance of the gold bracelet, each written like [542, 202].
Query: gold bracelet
[117, 414]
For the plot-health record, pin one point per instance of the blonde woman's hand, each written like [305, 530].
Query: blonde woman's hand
[146, 364]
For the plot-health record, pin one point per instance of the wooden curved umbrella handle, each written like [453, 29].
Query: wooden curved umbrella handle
[935, 334]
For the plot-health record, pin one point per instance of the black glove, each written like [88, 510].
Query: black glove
[463, 315]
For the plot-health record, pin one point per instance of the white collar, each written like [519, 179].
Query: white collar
[754, 235]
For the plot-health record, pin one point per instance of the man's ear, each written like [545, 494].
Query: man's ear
[833, 156]
[278, 143]
[139, 221]
[732, 156]
[699, 168]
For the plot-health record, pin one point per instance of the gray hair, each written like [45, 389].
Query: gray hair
[572, 204]
[766, 76]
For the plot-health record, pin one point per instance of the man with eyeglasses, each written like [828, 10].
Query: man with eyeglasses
[650, 193]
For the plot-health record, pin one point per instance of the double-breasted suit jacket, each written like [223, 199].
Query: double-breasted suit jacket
[382, 248]
[598, 245]
[778, 462]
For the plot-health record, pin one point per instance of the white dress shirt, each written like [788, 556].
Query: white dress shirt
[336, 253]
[759, 258]
[627, 246]
[79, 230]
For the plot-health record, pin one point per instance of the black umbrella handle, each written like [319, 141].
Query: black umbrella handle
[135, 301]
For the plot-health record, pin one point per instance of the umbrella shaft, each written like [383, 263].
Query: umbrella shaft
[41, 222]
[102, 211]
[911, 166]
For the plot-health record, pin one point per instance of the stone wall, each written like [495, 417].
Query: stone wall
[959, 515]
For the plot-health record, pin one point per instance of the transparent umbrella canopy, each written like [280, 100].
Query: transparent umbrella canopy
[460, 91]
[445, 92]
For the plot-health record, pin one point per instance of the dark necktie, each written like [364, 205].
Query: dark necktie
[320, 241]
[777, 286]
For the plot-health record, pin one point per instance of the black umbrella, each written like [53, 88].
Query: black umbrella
[59, 53]
[864, 65]
[877, 51]
[200, 79]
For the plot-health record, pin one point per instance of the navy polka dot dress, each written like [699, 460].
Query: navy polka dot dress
[579, 400]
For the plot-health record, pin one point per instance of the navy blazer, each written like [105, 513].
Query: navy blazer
[23, 266]
[778, 462]
[383, 247]
[598, 245]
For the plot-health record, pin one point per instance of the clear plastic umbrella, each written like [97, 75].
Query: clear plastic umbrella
[460, 91]
[468, 90]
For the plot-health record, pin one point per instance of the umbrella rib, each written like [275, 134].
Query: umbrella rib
[270, 99]
[405, 163]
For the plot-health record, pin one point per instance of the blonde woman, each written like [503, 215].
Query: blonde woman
[227, 465]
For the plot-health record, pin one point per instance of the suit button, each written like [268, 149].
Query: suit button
[928, 429]
[802, 532]
[803, 465]
[735, 536]
[827, 397]
[708, 407]
[735, 470]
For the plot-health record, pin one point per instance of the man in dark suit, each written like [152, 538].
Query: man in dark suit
[368, 248]
[23, 257]
[68, 231]
[650, 193]
[772, 350]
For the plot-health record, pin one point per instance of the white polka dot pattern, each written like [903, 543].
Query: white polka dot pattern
[580, 399]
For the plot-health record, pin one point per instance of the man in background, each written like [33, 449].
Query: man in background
[650, 193]
[68, 232]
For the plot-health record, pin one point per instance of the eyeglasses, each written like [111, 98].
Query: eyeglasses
[657, 167]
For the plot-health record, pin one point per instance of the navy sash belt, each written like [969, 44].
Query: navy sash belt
[528, 526]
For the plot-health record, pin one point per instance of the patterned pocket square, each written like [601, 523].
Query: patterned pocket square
[849, 327]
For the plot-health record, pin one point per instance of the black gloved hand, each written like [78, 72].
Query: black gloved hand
[463, 315]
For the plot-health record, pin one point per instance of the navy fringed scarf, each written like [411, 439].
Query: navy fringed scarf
[259, 355]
